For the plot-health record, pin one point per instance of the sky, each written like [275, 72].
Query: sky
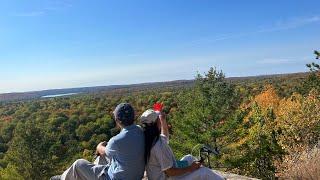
[46, 44]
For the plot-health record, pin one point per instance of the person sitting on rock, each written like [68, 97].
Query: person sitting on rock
[159, 158]
[120, 158]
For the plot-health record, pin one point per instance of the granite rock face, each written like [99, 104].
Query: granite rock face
[233, 176]
[225, 175]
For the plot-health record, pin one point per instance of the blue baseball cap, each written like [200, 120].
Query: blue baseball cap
[124, 113]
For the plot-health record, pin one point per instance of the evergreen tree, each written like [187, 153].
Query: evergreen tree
[10, 173]
[29, 152]
[202, 111]
[313, 80]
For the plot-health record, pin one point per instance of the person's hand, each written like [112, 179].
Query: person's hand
[195, 165]
[163, 124]
[100, 148]
[162, 117]
[163, 120]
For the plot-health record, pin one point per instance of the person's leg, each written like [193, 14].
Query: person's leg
[101, 160]
[189, 158]
[206, 173]
[84, 170]
[202, 173]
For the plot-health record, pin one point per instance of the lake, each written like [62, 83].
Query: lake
[58, 95]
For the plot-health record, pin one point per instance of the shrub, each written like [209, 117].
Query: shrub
[305, 166]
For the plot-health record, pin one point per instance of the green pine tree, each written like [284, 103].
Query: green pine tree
[313, 80]
[29, 152]
[202, 111]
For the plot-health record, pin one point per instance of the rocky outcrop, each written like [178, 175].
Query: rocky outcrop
[225, 175]
[233, 176]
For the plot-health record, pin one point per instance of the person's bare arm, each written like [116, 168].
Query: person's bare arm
[164, 125]
[180, 171]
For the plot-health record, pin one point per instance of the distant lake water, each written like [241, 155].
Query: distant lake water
[58, 95]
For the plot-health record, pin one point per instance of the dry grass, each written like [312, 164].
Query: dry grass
[306, 166]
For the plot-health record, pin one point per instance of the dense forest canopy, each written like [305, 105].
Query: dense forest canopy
[258, 125]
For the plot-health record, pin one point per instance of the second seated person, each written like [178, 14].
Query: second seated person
[159, 158]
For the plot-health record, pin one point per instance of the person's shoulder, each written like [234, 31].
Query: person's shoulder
[138, 126]
[138, 129]
[116, 138]
[161, 143]
[129, 133]
[164, 138]
[112, 139]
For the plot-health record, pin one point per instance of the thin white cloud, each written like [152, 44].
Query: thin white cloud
[49, 7]
[278, 61]
[291, 24]
[29, 14]
[208, 40]
[278, 26]
[58, 5]
[275, 61]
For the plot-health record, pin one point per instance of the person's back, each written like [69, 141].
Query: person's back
[129, 162]
[122, 157]
[161, 158]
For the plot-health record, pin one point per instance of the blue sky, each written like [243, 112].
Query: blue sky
[48, 44]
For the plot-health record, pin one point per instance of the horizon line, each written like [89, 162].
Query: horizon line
[149, 82]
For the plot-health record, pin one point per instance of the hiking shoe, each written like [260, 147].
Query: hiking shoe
[57, 177]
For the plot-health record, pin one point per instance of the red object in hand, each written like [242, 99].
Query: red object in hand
[157, 107]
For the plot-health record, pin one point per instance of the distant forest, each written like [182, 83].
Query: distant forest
[261, 125]
[122, 89]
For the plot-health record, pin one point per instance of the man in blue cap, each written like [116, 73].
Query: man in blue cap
[123, 153]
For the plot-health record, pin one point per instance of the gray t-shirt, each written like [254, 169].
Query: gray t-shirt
[161, 159]
[125, 151]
